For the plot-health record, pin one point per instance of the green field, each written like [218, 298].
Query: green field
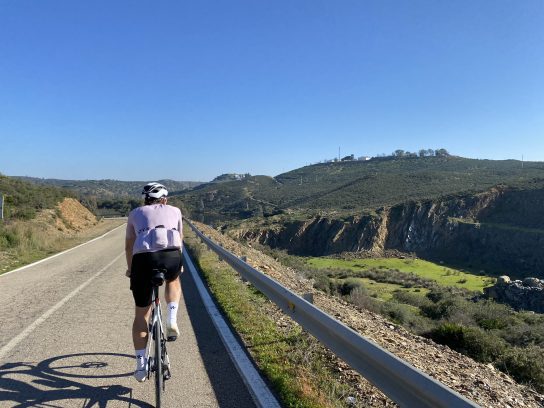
[444, 276]
[384, 291]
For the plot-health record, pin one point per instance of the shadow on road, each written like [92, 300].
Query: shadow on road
[57, 379]
[229, 388]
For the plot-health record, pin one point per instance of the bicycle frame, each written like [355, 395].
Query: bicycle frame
[159, 364]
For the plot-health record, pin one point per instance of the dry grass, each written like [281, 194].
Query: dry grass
[23, 242]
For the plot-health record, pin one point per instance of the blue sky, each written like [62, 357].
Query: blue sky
[139, 90]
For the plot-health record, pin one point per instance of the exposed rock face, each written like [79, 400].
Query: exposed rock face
[499, 229]
[521, 295]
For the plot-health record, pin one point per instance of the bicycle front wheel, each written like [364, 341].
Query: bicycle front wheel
[159, 377]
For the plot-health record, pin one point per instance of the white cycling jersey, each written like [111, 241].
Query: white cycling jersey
[154, 227]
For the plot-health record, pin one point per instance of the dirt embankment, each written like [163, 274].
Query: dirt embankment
[479, 382]
[74, 216]
[53, 230]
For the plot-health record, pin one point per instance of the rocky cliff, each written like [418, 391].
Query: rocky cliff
[501, 230]
[527, 294]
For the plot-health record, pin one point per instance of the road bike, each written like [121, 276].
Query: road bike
[158, 363]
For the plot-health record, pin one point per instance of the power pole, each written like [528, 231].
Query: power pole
[521, 161]
[1, 206]
[338, 153]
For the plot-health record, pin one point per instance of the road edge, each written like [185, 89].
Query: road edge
[261, 394]
[60, 253]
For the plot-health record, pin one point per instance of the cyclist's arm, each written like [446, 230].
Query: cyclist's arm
[129, 244]
[180, 229]
[130, 237]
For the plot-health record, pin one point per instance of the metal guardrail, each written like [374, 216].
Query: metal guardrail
[403, 383]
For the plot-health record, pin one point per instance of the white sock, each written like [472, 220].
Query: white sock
[140, 359]
[172, 312]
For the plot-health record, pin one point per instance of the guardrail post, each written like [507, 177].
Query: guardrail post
[308, 297]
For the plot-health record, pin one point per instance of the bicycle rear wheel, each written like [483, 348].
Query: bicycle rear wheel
[159, 376]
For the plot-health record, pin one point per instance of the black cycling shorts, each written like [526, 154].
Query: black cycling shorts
[141, 272]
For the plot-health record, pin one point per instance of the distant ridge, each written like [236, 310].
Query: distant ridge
[109, 188]
[355, 186]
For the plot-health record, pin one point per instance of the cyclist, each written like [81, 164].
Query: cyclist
[153, 240]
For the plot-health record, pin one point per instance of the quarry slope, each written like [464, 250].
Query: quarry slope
[500, 230]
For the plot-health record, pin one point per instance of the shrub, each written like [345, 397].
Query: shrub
[443, 309]
[490, 315]
[438, 293]
[411, 298]
[472, 341]
[397, 312]
[360, 297]
[322, 282]
[525, 365]
[524, 335]
[9, 238]
[348, 286]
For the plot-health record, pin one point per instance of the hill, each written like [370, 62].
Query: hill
[107, 189]
[349, 187]
[41, 220]
[24, 199]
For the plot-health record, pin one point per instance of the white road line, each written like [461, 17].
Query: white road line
[262, 396]
[60, 253]
[21, 336]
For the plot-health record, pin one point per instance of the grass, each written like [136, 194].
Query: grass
[401, 291]
[384, 291]
[292, 361]
[24, 242]
[444, 276]
[506, 227]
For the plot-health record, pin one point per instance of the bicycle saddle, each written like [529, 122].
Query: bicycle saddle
[158, 277]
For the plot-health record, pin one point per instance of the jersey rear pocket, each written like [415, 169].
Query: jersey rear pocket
[174, 238]
[159, 238]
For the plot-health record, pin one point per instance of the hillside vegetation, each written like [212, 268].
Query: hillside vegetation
[41, 220]
[434, 302]
[355, 186]
[22, 199]
[109, 188]
[492, 334]
[109, 197]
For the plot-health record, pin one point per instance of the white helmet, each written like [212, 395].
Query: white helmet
[154, 190]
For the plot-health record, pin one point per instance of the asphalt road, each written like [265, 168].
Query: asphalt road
[65, 338]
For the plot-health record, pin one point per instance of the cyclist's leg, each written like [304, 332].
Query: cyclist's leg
[140, 284]
[172, 291]
[140, 326]
[172, 262]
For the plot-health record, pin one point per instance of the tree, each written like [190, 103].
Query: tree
[398, 153]
[441, 153]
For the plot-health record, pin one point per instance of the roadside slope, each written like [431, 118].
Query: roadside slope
[478, 382]
[51, 231]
